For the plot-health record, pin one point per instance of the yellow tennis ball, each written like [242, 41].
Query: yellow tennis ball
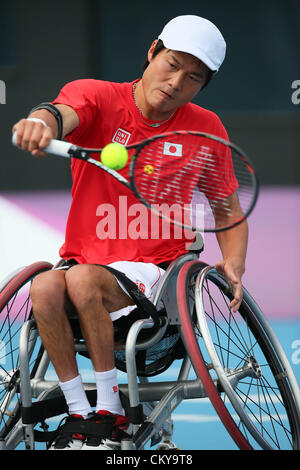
[114, 156]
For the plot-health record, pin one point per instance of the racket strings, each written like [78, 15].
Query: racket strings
[190, 181]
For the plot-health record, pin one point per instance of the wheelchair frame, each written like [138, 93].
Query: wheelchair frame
[159, 399]
[169, 397]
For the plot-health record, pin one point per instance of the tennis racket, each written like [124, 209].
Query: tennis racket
[195, 180]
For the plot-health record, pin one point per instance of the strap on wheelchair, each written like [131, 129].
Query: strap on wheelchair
[39, 411]
[99, 429]
[147, 307]
[103, 428]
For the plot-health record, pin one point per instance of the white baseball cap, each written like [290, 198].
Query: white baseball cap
[196, 36]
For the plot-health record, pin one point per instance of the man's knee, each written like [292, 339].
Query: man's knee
[84, 281]
[48, 289]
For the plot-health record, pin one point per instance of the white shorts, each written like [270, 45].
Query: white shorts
[145, 275]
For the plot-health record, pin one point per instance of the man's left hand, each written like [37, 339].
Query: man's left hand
[233, 268]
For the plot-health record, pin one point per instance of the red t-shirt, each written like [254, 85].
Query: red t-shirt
[102, 226]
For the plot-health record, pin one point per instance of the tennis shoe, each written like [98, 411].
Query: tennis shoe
[120, 426]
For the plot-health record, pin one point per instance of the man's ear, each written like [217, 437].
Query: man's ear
[150, 52]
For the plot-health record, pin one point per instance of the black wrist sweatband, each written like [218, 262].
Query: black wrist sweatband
[55, 112]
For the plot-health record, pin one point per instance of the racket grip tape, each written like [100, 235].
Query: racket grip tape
[56, 147]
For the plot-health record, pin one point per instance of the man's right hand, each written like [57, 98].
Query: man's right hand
[32, 136]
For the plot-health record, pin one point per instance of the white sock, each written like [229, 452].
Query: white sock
[76, 397]
[108, 397]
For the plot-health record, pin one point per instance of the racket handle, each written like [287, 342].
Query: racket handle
[56, 147]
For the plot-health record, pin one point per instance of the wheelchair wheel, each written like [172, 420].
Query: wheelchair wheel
[253, 378]
[192, 338]
[15, 308]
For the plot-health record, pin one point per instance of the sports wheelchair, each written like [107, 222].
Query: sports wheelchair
[238, 363]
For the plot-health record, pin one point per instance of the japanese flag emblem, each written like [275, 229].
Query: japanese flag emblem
[174, 150]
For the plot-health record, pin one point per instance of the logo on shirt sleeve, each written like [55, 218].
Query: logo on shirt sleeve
[121, 137]
[174, 150]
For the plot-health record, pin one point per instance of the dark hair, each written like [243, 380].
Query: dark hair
[159, 47]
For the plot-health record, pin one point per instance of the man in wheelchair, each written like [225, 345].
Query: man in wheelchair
[92, 113]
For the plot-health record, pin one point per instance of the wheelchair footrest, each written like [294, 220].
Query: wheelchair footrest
[103, 428]
[39, 411]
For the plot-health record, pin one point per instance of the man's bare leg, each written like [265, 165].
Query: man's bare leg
[94, 292]
[49, 300]
[51, 307]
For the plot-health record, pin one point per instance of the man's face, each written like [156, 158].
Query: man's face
[172, 79]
